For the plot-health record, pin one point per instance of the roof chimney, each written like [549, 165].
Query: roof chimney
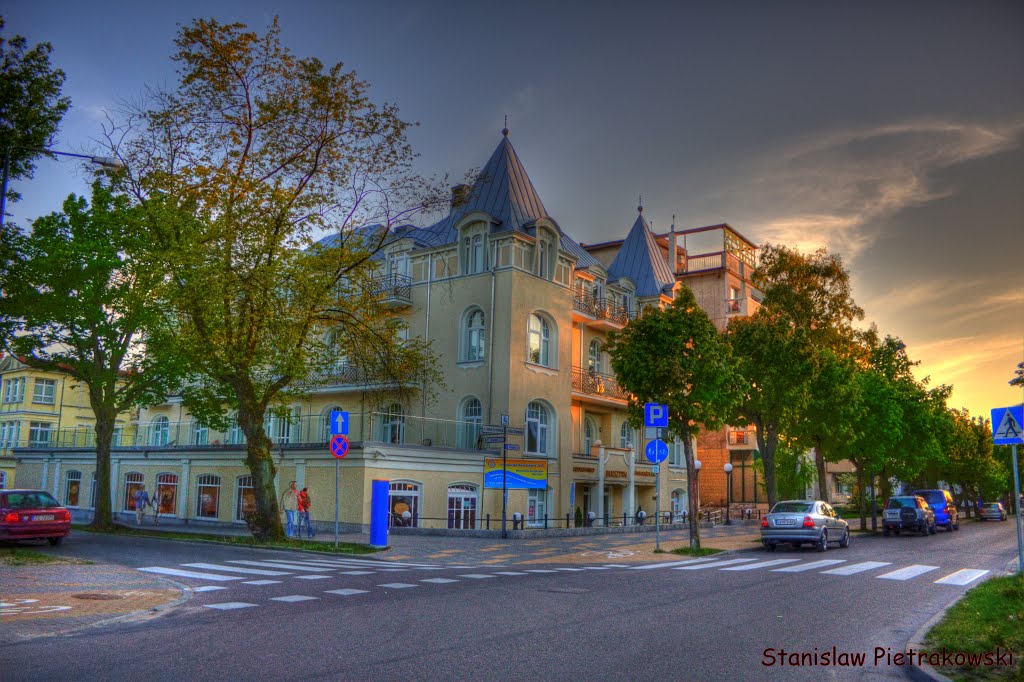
[673, 256]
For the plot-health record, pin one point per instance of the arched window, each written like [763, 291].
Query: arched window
[471, 416]
[589, 434]
[245, 499]
[72, 488]
[325, 422]
[594, 357]
[393, 424]
[166, 495]
[473, 334]
[679, 503]
[462, 504]
[626, 436]
[404, 503]
[160, 431]
[544, 259]
[537, 426]
[540, 341]
[207, 496]
[133, 481]
[199, 434]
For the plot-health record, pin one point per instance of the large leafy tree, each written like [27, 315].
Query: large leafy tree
[813, 292]
[84, 304]
[777, 362]
[238, 169]
[676, 356]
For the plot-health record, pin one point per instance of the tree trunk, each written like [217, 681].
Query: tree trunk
[819, 463]
[860, 497]
[767, 443]
[105, 418]
[691, 491]
[266, 521]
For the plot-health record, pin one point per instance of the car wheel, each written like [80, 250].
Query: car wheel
[823, 541]
[770, 546]
[896, 531]
[55, 541]
[956, 526]
[845, 542]
[934, 529]
[924, 528]
[885, 532]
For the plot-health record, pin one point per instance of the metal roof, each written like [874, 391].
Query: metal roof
[640, 260]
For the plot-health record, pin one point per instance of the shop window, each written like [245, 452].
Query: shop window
[208, 496]
[72, 488]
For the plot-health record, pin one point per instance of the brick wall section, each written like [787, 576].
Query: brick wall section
[713, 455]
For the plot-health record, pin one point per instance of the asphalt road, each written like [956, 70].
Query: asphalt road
[606, 621]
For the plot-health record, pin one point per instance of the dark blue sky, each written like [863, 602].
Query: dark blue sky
[889, 132]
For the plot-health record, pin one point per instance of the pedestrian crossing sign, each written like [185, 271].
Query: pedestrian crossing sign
[1007, 425]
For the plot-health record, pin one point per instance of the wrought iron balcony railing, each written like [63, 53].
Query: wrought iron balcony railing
[594, 383]
[393, 287]
[601, 308]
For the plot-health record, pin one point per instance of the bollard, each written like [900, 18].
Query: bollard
[709, 516]
[545, 522]
[590, 519]
[517, 521]
[606, 524]
[623, 519]
[567, 517]
[488, 522]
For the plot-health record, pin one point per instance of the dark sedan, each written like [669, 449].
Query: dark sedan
[32, 515]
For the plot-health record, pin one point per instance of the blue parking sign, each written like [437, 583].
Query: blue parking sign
[339, 423]
[655, 415]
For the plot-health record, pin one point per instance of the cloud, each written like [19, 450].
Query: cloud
[836, 189]
[963, 356]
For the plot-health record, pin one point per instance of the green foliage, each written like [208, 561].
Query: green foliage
[31, 106]
[793, 471]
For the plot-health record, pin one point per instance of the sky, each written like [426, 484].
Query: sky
[889, 133]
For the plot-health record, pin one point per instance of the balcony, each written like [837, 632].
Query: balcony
[595, 387]
[599, 313]
[395, 290]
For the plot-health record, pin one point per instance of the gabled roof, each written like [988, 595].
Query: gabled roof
[640, 260]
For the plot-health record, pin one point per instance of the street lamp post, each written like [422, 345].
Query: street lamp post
[696, 491]
[728, 491]
[105, 161]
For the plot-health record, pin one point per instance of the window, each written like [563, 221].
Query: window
[594, 357]
[208, 496]
[14, 390]
[9, 432]
[133, 482]
[589, 434]
[245, 499]
[39, 434]
[462, 502]
[278, 426]
[45, 392]
[733, 304]
[72, 488]
[166, 496]
[116, 436]
[234, 436]
[626, 436]
[679, 503]
[199, 434]
[627, 302]
[543, 256]
[325, 422]
[537, 423]
[536, 507]
[404, 503]
[3, 480]
[160, 431]
[540, 340]
[393, 424]
[473, 254]
[675, 454]
[471, 418]
[473, 335]
[398, 263]
[92, 492]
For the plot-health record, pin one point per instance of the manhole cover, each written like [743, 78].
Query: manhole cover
[97, 596]
[568, 590]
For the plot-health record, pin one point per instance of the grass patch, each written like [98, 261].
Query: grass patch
[16, 556]
[690, 551]
[990, 615]
[239, 540]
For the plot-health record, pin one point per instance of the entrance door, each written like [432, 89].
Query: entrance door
[536, 507]
[461, 506]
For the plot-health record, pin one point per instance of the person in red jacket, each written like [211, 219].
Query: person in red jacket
[304, 504]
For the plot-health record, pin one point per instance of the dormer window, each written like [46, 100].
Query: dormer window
[398, 263]
[472, 255]
[543, 256]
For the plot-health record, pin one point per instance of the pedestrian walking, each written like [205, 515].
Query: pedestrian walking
[290, 504]
[304, 504]
[141, 502]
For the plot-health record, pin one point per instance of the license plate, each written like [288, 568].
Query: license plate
[43, 517]
[785, 522]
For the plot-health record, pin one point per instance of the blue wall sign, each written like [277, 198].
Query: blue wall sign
[655, 415]
[339, 423]
[656, 451]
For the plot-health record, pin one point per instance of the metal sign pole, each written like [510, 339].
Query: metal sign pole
[504, 482]
[657, 509]
[1016, 501]
[337, 485]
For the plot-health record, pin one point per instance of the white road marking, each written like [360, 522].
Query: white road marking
[858, 568]
[961, 577]
[908, 572]
[713, 564]
[208, 588]
[348, 592]
[540, 570]
[293, 598]
[760, 564]
[369, 562]
[808, 567]
[261, 582]
[568, 569]
[477, 576]
[177, 572]
[511, 573]
[595, 568]
[357, 572]
[228, 605]
[280, 564]
[438, 581]
[234, 569]
[397, 586]
[392, 570]
[313, 577]
[669, 564]
[616, 565]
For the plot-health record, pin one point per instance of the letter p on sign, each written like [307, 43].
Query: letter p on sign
[655, 416]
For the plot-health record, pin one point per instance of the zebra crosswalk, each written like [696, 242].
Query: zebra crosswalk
[299, 569]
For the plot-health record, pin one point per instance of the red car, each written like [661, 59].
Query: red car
[32, 515]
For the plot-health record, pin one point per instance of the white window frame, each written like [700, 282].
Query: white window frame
[14, 390]
[398, 263]
[589, 433]
[72, 476]
[393, 424]
[199, 433]
[44, 392]
[626, 436]
[471, 418]
[539, 338]
[160, 431]
[3, 480]
[594, 357]
[9, 434]
[676, 456]
[538, 425]
[36, 430]
[207, 481]
[410, 489]
[242, 483]
[131, 478]
[166, 479]
[474, 334]
[536, 506]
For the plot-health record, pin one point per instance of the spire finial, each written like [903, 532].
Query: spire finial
[504, 131]
[673, 222]
[640, 205]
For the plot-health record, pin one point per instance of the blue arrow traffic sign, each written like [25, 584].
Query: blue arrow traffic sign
[1008, 425]
[339, 423]
[339, 446]
[655, 415]
[656, 451]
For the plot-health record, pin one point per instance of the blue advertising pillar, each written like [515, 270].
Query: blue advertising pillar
[379, 492]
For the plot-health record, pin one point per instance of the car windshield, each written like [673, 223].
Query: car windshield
[932, 496]
[992, 505]
[900, 502]
[31, 500]
[792, 507]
